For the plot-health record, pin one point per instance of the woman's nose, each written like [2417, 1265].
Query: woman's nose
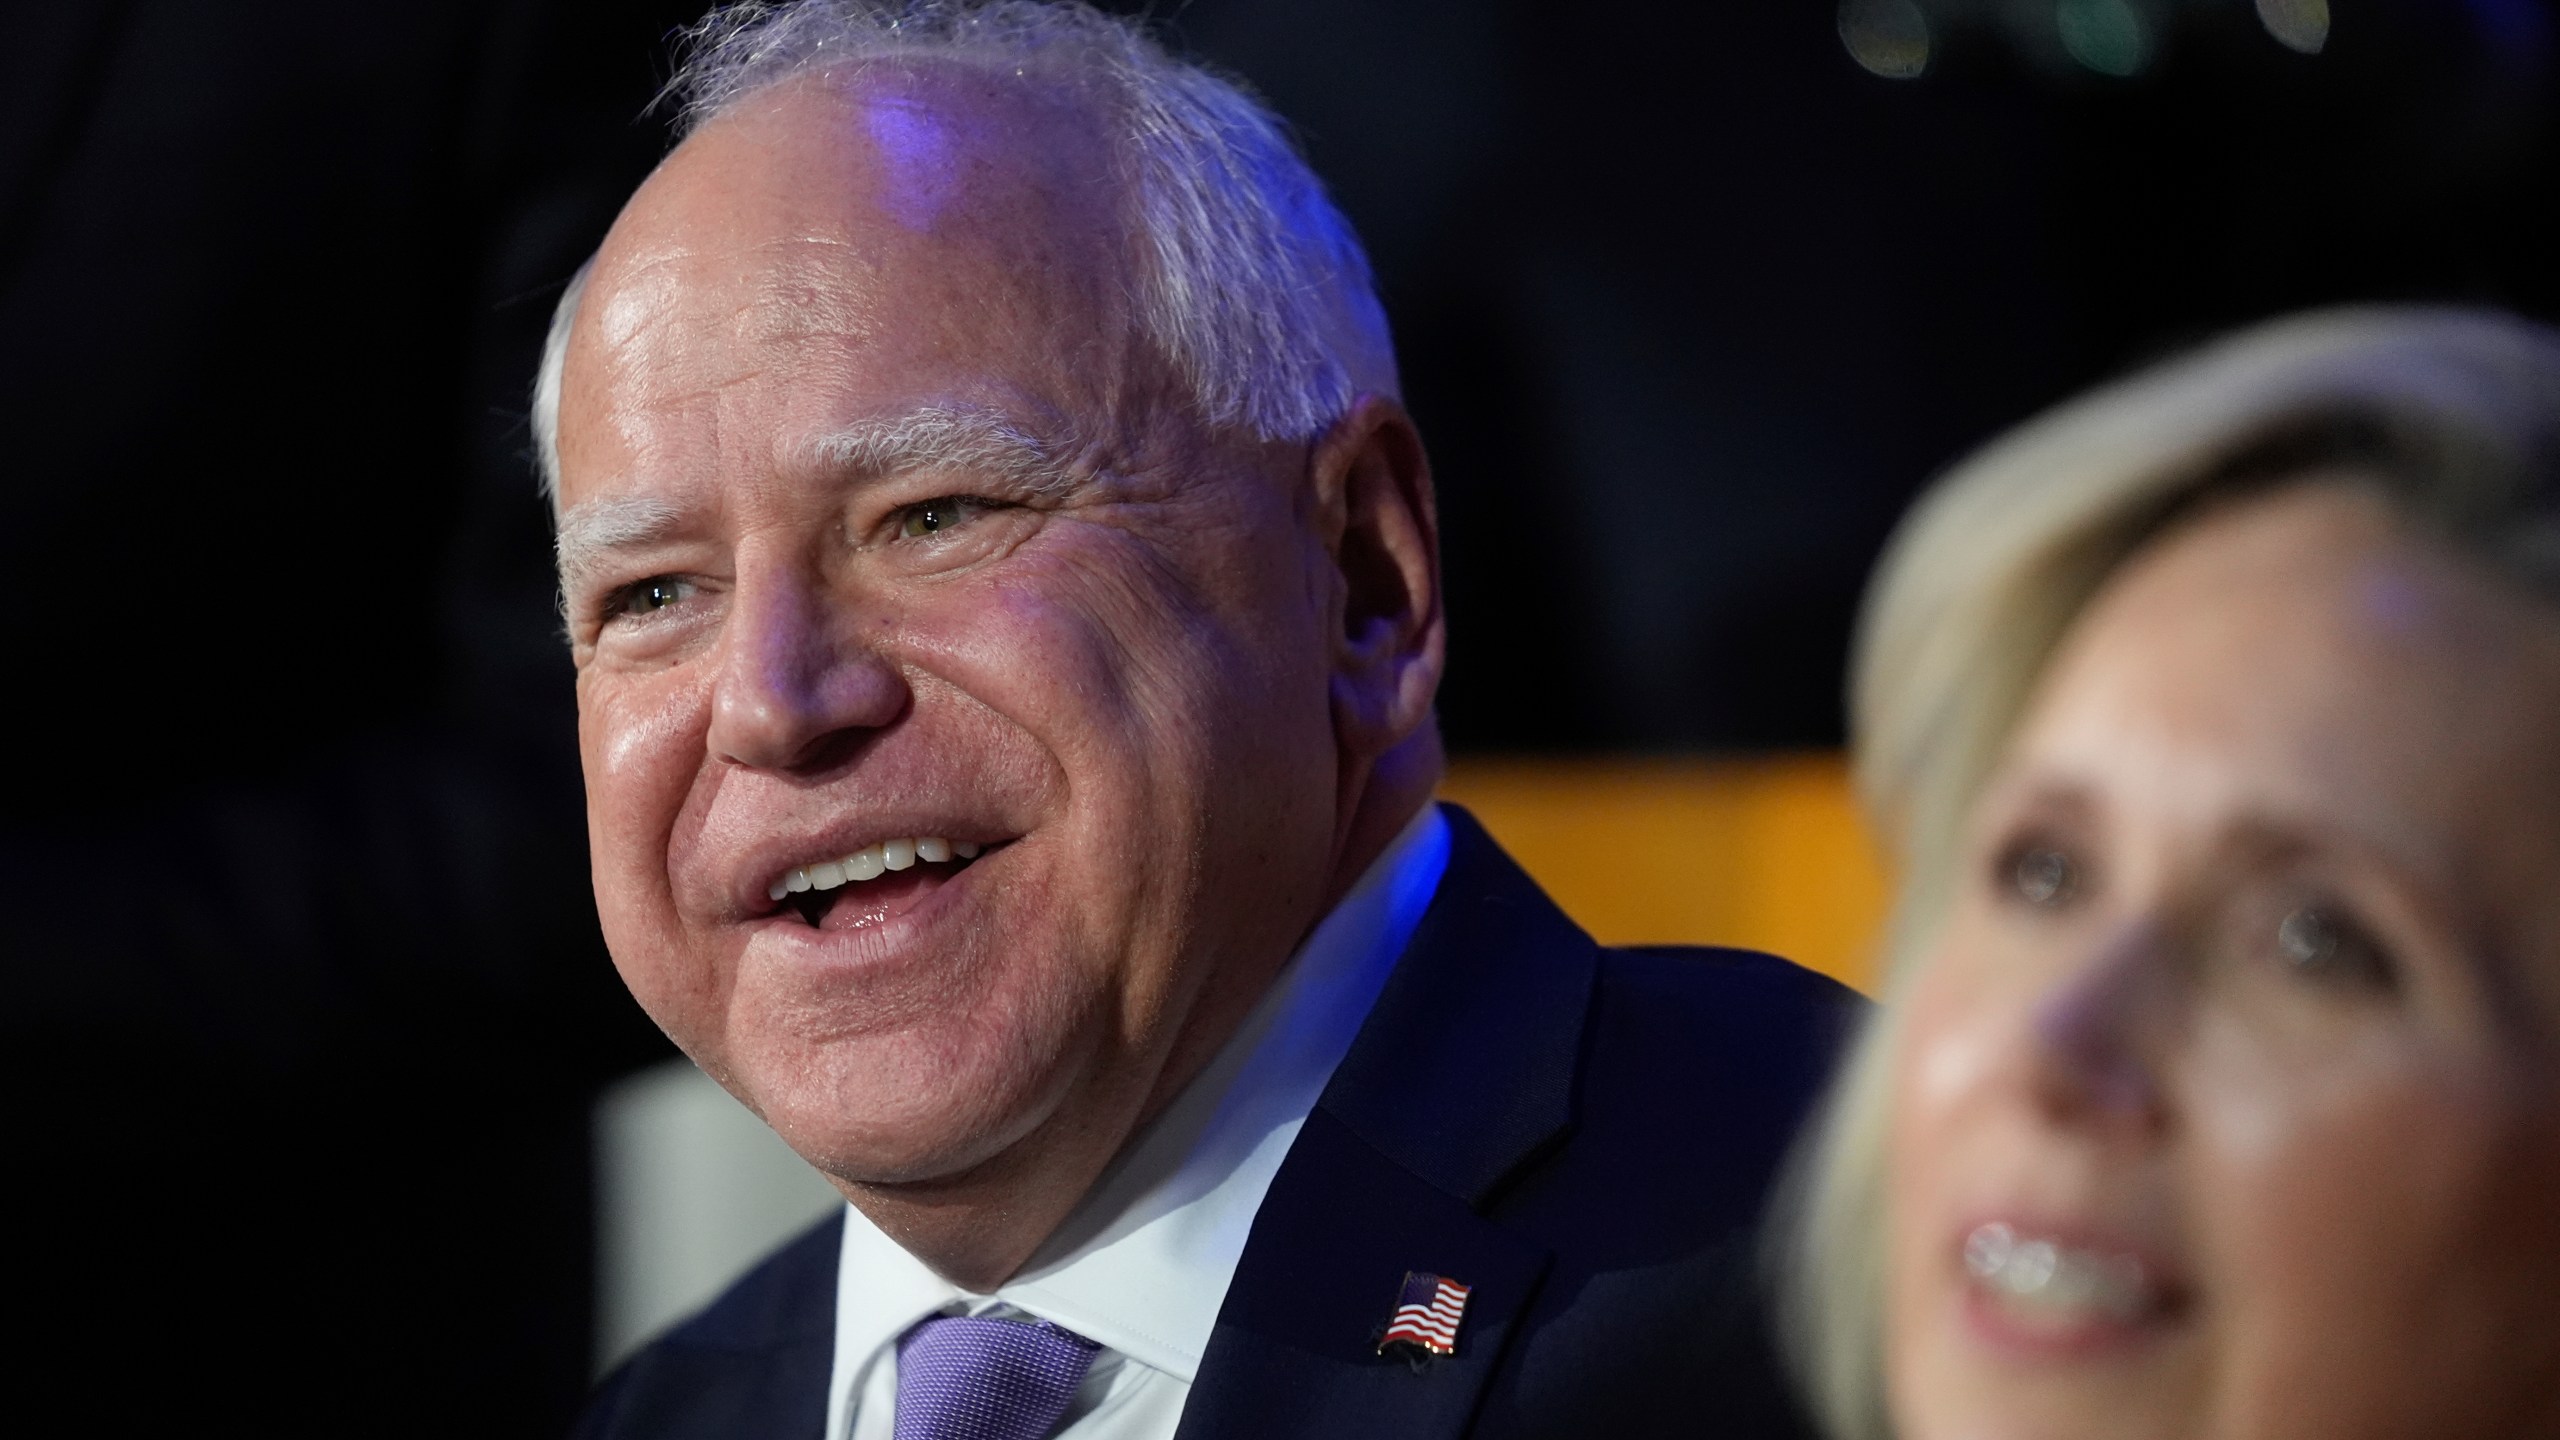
[2096, 1036]
[797, 684]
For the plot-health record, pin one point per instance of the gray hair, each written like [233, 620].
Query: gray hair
[2452, 416]
[1251, 285]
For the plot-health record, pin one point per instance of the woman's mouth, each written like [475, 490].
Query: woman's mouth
[2041, 1291]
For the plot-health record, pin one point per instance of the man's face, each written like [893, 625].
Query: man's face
[880, 527]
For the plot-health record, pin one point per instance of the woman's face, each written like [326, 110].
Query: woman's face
[2229, 1103]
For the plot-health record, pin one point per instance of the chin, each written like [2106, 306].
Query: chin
[1951, 1391]
[898, 1110]
[1955, 1405]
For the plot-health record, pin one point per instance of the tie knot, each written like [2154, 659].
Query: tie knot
[963, 1378]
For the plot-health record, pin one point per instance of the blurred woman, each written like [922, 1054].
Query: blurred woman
[2215, 719]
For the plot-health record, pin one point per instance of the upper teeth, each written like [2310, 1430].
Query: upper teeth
[2048, 1273]
[868, 862]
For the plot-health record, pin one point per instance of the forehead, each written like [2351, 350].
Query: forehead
[831, 249]
[2304, 655]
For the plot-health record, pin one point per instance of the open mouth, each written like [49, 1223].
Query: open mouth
[2045, 1285]
[873, 884]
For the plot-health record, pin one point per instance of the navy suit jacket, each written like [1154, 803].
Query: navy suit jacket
[1585, 1136]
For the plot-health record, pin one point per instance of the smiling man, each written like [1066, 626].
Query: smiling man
[1005, 597]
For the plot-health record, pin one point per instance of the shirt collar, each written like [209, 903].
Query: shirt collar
[1143, 1263]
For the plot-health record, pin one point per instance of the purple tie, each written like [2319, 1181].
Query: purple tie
[980, 1379]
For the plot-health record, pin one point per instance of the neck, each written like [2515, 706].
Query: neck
[1386, 799]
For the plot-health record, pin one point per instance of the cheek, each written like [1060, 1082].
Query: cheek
[1940, 1130]
[2305, 1165]
[1129, 670]
[1924, 1137]
[2374, 1232]
[1947, 1058]
[640, 741]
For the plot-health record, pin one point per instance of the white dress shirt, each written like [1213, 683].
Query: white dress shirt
[1142, 1264]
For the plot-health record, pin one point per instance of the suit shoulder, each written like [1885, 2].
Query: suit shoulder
[1721, 1012]
[1743, 987]
[1697, 1069]
[756, 1355]
[1705, 1062]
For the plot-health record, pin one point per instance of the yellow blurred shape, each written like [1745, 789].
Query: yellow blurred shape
[1768, 853]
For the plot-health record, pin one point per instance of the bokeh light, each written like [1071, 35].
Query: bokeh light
[2297, 24]
[2112, 37]
[1886, 37]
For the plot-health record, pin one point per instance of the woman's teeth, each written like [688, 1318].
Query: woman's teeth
[2058, 1281]
[872, 861]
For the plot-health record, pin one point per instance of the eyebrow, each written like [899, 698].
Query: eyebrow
[955, 437]
[2266, 840]
[969, 438]
[593, 529]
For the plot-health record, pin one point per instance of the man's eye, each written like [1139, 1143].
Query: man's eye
[2323, 942]
[649, 596]
[936, 516]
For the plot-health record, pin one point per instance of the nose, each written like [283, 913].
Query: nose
[2096, 1037]
[797, 686]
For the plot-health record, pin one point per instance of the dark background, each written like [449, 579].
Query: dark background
[306, 1007]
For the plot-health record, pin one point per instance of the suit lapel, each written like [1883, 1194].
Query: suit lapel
[1296, 1347]
[1462, 1074]
[755, 1363]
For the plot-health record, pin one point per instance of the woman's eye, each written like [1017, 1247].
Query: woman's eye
[2325, 943]
[2041, 875]
[933, 517]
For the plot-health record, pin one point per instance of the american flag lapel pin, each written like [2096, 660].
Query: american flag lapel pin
[1428, 1310]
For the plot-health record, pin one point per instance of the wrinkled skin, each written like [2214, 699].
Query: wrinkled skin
[2332, 1150]
[1179, 687]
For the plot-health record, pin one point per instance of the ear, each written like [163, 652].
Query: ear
[1381, 522]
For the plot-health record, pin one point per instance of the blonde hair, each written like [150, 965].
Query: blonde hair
[2452, 415]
